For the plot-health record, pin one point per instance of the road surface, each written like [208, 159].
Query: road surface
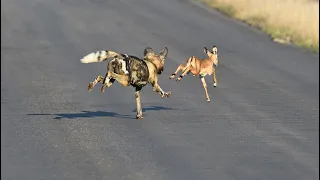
[262, 122]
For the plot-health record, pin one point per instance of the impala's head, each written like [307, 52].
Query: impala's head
[156, 59]
[213, 55]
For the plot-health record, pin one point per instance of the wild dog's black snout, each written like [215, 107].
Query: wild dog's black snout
[160, 70]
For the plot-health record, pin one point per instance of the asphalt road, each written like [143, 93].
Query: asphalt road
[262, 122]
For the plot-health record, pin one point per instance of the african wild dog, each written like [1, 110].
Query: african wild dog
[140, 72]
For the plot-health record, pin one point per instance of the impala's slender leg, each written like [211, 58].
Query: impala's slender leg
[205, 88]
[185, 72]
[214, 78]
[180, 67]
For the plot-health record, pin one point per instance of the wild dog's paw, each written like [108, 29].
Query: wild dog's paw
[103, 88]
[139, 116]
[214, 84]
[208, 100]
[166, 94]
[90, 86]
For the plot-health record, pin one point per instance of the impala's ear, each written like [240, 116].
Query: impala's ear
[164, 53]
[214, 50]
[205, 50]
[148, 51]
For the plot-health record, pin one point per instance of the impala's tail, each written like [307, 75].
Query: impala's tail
[99, 56]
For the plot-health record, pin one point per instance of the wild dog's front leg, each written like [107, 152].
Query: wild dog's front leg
[138, 101]
[157, 88]
[92, 84]
[180, 67]
[205, 88]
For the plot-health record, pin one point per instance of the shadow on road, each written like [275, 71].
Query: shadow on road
[153, 108]
[85, 114]
[92, 114]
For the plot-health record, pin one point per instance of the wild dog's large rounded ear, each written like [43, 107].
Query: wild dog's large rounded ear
[214, 50]
[163, 54]
[148, 51]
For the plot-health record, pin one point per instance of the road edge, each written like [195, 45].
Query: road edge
[254, 29]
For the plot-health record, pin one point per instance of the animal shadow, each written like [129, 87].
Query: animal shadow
[85, 114]
[153, 108]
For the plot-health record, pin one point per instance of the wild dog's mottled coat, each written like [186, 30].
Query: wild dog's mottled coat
[141, 72]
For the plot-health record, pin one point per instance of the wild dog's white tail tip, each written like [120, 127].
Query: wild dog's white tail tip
[98, 56]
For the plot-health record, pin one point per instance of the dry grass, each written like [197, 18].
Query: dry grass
[287, 21]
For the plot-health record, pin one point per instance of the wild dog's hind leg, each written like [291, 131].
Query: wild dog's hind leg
[92, 84]
[138, 101]
[205, 88]
[180, 67]
[122, 79]
[107, 82]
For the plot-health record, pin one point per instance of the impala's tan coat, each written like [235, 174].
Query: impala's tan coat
[200, 67]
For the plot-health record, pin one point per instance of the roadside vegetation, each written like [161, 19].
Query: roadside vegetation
[286, 21]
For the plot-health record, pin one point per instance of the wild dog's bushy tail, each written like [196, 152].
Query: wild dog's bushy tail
[98, 56]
